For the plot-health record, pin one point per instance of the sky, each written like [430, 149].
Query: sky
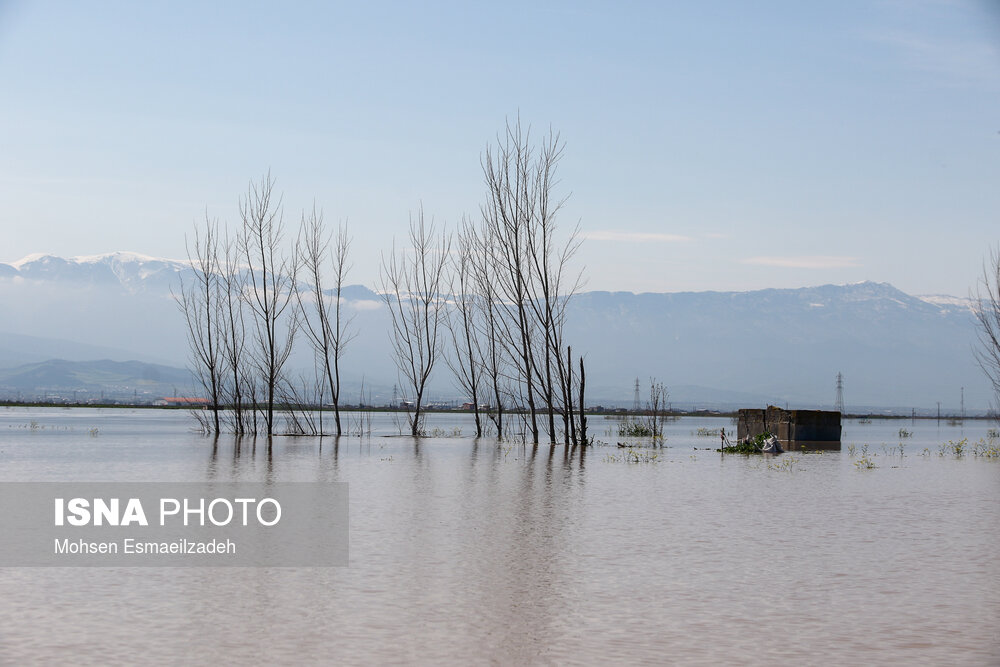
[708, 146]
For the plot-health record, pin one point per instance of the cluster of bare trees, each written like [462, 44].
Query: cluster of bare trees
[522, 271]
[490, 302]
[508, 282]
[245, 306]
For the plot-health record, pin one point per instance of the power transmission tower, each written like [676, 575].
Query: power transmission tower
[963, 403]
[635, 401]
[840, 394]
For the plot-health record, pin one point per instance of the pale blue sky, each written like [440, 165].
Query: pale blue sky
[724, 145]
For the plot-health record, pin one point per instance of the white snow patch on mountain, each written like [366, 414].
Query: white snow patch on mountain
[946, 300]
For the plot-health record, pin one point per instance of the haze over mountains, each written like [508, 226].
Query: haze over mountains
[712, 349]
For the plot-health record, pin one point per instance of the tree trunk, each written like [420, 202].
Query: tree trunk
[583, 413]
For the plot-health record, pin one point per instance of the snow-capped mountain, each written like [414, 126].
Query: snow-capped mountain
[780, 345]
[789, 344]
[947, 302]
[131, 270]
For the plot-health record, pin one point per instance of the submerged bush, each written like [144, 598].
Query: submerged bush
[753, 445]
[436, 432]
[865, 463]
[987, 449]
[634, 429]
[633, 455]
[787, 464]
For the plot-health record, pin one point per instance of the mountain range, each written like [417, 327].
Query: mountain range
[88, 380]
[712, 349]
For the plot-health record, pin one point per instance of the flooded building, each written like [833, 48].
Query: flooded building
[795, 429]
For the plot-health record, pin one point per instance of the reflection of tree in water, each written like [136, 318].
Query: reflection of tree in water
[516, 506]
[242, 453]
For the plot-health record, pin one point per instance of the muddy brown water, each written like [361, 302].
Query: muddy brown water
[474, 552]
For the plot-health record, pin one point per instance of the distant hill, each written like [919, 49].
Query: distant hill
[19, 349]
[788, 345]
[110, 377]
[712, 349]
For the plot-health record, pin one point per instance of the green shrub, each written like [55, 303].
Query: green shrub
[754, 445]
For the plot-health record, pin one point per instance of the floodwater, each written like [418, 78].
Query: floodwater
[465, 552]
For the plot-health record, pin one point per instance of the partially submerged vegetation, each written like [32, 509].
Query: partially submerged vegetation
[747, 446]
[987, 448]
[634, 455]
[864, 462]
[635, 429]
[784, 464]
[956, 448]
[648, 423]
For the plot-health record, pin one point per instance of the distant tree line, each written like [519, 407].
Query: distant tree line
[488, 301]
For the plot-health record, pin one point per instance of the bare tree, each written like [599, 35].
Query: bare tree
[413, 283]
[466, 361]
[493, 353]
[583, 411]
[232, 282]
[656, 407]
[552, 286]
[506, 214]
[566, 386]
[269, 284]
[987, 308]
[322, 317]
[200, 303]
